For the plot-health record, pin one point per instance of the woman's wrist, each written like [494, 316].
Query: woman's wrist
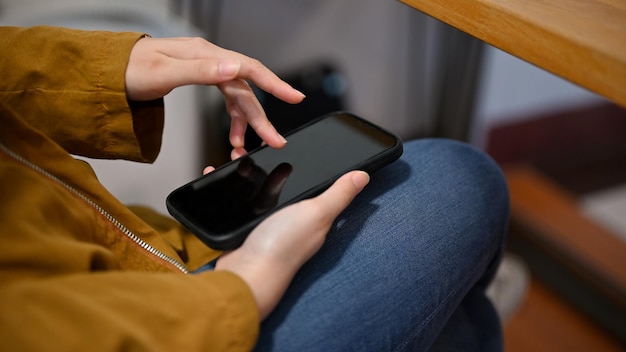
[267, 281]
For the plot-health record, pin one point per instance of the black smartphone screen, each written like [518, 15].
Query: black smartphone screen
[221, 207]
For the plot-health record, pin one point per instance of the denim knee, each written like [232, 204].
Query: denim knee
[468, 175]
[465, 168]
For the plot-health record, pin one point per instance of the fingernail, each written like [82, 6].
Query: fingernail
[228, 68]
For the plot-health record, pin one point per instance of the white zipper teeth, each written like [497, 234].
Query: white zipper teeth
[143, 244]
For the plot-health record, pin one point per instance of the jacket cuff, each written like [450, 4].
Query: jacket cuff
[148, 124]
[140, 136]
[237, 310]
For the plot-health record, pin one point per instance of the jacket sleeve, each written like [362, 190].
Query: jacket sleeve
[70, 85]
[63, 284]
[60, 290]
[127, 311]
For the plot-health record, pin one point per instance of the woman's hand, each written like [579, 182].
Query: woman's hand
[158, 65]
[275, 250]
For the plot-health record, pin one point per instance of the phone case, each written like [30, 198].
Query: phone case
[233, 239]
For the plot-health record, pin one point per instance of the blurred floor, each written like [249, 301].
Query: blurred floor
[566, 173]
[544, 322]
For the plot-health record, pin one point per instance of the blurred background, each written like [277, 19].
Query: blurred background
[410, 74]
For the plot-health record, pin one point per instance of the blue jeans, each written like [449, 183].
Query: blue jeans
[406, 265]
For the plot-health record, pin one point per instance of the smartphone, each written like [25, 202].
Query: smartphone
[221, 208]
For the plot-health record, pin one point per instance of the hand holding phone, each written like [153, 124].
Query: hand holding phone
[277, 248]
[222, 207]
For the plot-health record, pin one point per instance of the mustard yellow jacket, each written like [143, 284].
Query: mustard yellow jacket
[79, 270]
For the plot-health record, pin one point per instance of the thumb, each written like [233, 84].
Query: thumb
[342, 192]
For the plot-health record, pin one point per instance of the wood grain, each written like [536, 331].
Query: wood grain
[583, 41]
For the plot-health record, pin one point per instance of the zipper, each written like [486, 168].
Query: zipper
[128, 233]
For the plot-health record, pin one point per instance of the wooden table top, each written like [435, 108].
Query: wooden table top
[583, 41]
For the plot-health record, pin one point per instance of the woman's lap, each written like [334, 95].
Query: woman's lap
[401, 259]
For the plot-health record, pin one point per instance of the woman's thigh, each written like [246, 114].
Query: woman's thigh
[426, 230]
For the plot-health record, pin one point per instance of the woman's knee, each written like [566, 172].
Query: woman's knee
[459, 167]
[463, 179]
